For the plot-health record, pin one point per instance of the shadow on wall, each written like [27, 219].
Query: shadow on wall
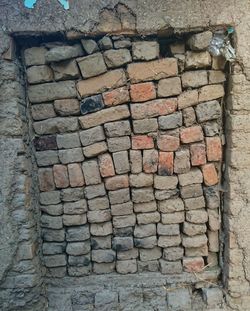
[30, 3]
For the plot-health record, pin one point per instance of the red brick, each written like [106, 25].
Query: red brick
[214, 149]
[106, 165]
[117, 182]
[168, 143]
[142, 142]
[75, 175]
[116, 97]
[153, 108]
[193, 264]
[191, 134]
[210, 174]
[198, 154]
[150, 161]
[142, 92]
[45, 178]
[61, 176]
[166, 163]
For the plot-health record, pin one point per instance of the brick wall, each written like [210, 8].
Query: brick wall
[128, 145]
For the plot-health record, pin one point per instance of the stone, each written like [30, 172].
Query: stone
[169, 87]
[119, 196]
[51, 235]
[198, 154]
[68, 140]
[67, 107]
[171, 205]
[92, 135]
[53, 248]
[190, 191]
[51, 197]
[194, 79]
[105, 43]
[165, 182]
[91, 172]
[216, 76]
[123, 232]
[194, 203]
[148, 266]
[126, 266]
[122, 209]
[79, 271]
[168, 143]
[182, 161]
[145, 207]
[142, 142]
[153, 108]
[214, 148]
[75, 208]
[71, 155]
[166, 163]
[145, 50]
[210, 92]
[52, 222]
[145, 126]
[191, 229]
[173, 253]
[147, 218]
[103, 268]
[91, 104]
[119, 143]
[116, 97]
[65, 70]
[106, 165]
[195, 241]
[59, 53]
[179, 299]
[101, 242]
[74, 220]
[120, 44]
[150, 160]
[106, 298]
[172, 218]
[200, 41]
[101, 83]
[92, 65]
[117, 58]
[171, 121]
[148, 242]
[196, 60]
[104, 116]
[170, 230]
[189, 117]
[116, 182]
[121, 162]
[39, 74]
[142, 92]
[103, 255]
[122, 243]
[141, 180]
[124, 221]
[191, 134]
[48, 157]
[79, 233]
[167, 241]
[98, 216]
[170, 267]
[150, 254]
[46, 180]
[129, 254]
[187, 99]
[142, 195]
[145, 230]
[210, 174]
[135, 157]
[101, 229]
[61, 177]
[35, 56]
[116, 129]
[53, 210]
[101, 203]
[72, 194]
[42, 111]
[95, 149]
[56, 125]
[194, 176]
[89, 45]
[55, 260]
[78, 248]
[79, 261]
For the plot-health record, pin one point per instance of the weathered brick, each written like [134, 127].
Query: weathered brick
[53, 248]
[187, 99]
[153, 108]
[214, 148]
[103, 255]
[213, 220]
[161, 195]
[170, 267]
[171, 205]
[59, 53]
[75, 208]
[56, 125]
[39, 74]
[80, 233]
[126, 266]
[191, 134]
[148, 218]
[145, 207]
[196, 251]
[148, 242]
[165, 182]
[171, 229]
[218, 62]
[135, 157]
[142, 142]
[116, 97]
[192, 229]
[89, 45]
[169, 87]
[212, 296]
[195, 241]
[79, 261]
[122, 243]
[51, 235]
[193, 264]
[61, 177]
[65, 70]
[67, 107]
[197, 216]
[210, 92]
[91, 104]
[142, 195]
[150, 160]
[78, 248]
[121, 162]
[142, 92]
[122, 209]
[100, 242]
[200, 41]
[152, 70]
[208, 111]
[52, 222]
[189, 117]
[53, 210]
[106, 165]
[195, 60]
[74, 220]
[119, 196]
[99, 84]
[145, 50]
[144, 230]
[92, 65]
[35, 56]
[91, 172]
[117, 182]
[213, 241]
[69, 140]
[72, 194]
[171, 121]
[167, 241]
[119, 143]
[148, 266]
[210, 174]
[116, 129]
[198, 154]
[49, 91]
[194, 176]
[98, 216]
[150, 254]
[55, 260]
[98, 204]
[212, 196]
[117, 58]
[141, 180]
[51, 197]
[194, 203]
[107, 115]
[124, 221]
[194, 78]
[216, 76]
[42, 111]
[103, 268]
[95, 149]
[102, 229]
[92, 135]
[48, 157]
[166, 163]
[173, 253]
[71, 155]
[172, 218]
[168, 143]
[105, 43]
[123, 43]
[182, 161]
[46, 180]
[211, 128]
[190, 191]
[79, 271]
[145, 126]
[123, 232]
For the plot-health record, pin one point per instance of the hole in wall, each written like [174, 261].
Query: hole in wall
[31, 3]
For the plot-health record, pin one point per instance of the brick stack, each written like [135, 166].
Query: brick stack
[128, 149]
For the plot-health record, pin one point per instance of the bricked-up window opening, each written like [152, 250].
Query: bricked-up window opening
[129, 150]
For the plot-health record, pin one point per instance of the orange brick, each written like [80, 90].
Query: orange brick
[191, 134]
[45, 178]
[168, 143]
[198, 154]
[166, 163]
[142, 92]
[142, 142]
[117, 182]
[75, 175]
[106, 165]
[150, 161]
[61, 176]
[116, 97]
[210, 174]
[193, 264]
[214, 149]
